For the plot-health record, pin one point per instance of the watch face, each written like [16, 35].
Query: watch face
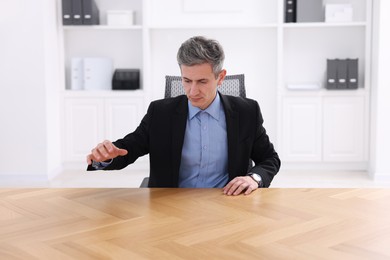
[256, 177]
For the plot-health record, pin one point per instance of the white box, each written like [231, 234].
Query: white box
[120, 17]
[338, 13]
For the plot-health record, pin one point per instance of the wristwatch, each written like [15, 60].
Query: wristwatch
[257, 178]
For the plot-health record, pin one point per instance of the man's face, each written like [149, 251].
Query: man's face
[200, 84]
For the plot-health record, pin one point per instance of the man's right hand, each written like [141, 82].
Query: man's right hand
[105, 151]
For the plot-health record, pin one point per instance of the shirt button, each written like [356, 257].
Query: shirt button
[204, 127]
[204, 147]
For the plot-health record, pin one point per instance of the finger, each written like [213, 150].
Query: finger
[241, 188]
[113, 150]
[234, 187]
[97, 156]
[122, 152]
[227, 187]
[103, 151]
[249, 190]
[110, 147]
[89, 160]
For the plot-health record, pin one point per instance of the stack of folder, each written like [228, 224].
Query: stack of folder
[342, 74]
[80, 12]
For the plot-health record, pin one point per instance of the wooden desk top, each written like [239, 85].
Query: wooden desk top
[194, 224]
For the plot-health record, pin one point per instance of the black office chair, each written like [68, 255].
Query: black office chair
[233, 85]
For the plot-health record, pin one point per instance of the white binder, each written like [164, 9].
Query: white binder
[77, 74]
[97, 73]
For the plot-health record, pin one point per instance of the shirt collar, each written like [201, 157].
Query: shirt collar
[213, 110]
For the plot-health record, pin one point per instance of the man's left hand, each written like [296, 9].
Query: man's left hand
[239, 185]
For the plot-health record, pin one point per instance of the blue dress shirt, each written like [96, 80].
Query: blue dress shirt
[204, 155]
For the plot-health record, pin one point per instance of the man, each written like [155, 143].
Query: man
[201, 139]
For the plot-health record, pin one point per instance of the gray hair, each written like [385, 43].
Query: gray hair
[199, 50]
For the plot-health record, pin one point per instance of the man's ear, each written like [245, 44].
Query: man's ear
[221, 76]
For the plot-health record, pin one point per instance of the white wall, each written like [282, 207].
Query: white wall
[24, 55]
[380, 122]
[53, 77]
[29, 84]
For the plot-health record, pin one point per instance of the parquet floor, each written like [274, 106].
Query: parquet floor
[194, 224]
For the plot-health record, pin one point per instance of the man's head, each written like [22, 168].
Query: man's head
[199, 50]
[201, 65]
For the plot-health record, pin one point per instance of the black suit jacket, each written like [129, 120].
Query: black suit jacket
[161, 135]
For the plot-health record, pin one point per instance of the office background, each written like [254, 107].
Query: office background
[37, 111]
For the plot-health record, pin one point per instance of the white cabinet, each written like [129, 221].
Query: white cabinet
[302, 129]
[324, 129]
[123, 115]
[90, 120]
[344, 129]
[84, 124]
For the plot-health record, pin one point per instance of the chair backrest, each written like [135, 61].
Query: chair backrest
[233, 85]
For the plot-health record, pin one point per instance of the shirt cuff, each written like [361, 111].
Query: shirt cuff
[100, 165]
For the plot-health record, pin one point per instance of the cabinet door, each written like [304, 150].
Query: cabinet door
[123, 115]
[344, 136]
[301, 129]
[84, 127]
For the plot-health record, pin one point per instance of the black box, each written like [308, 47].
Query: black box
[125, 79]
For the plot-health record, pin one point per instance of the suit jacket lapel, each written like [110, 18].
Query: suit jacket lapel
[232, 123]
[179, 120]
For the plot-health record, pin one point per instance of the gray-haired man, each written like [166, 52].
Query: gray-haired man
[202, 139]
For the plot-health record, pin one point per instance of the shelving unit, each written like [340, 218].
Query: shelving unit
[259, 44]
[326, 129]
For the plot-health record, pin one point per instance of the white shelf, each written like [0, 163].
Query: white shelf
[324, 92]
[101, 27]
[103, 93]
[324, 25]
[252, 26]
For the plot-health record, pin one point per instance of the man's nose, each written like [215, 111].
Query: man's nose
[194, 89]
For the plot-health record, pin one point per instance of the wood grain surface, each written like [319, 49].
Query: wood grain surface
[194, 224]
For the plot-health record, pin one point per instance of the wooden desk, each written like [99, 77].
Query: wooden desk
[194, 224]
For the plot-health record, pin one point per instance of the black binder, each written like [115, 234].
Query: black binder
[290, 8]
[352, 78]
[77, 12]
[67, 15]
[125, 79]
[90, 12]
[331, 70]
[342, 69]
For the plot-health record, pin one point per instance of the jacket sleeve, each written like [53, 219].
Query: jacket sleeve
[266, 159]
[136, 144]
